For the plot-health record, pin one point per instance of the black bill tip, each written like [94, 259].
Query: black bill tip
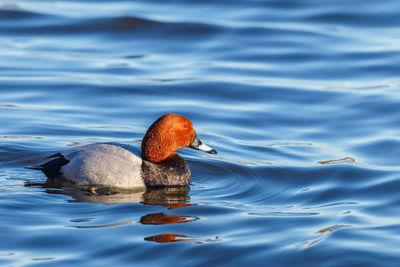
[212, 151]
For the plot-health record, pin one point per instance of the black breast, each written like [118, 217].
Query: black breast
[173, 171]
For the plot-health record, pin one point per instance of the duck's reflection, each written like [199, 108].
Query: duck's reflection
[170, 197]
[162, 218]
[170, 238]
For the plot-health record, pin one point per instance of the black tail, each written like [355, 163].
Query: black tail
[39, 168]
[52, 167]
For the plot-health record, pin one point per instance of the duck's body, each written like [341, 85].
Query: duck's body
[97, 164]
[115, 166]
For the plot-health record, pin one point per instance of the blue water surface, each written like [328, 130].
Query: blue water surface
[301, 99]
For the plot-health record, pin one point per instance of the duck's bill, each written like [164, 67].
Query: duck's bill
[197, 144]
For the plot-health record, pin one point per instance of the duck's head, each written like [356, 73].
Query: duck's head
[167, 134]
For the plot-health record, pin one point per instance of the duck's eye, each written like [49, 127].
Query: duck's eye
[185, 125]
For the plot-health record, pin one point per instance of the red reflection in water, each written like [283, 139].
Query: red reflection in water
[162, 218]
[169, 238]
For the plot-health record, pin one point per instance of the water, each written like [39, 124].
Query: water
[300, 98]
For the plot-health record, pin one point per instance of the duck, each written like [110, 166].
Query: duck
[114, 165]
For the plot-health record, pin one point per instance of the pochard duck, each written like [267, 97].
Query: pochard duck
[112, 165]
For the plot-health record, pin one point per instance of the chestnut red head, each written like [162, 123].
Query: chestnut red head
[167, 134]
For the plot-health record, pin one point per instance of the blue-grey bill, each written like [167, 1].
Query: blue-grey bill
[197, 144]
